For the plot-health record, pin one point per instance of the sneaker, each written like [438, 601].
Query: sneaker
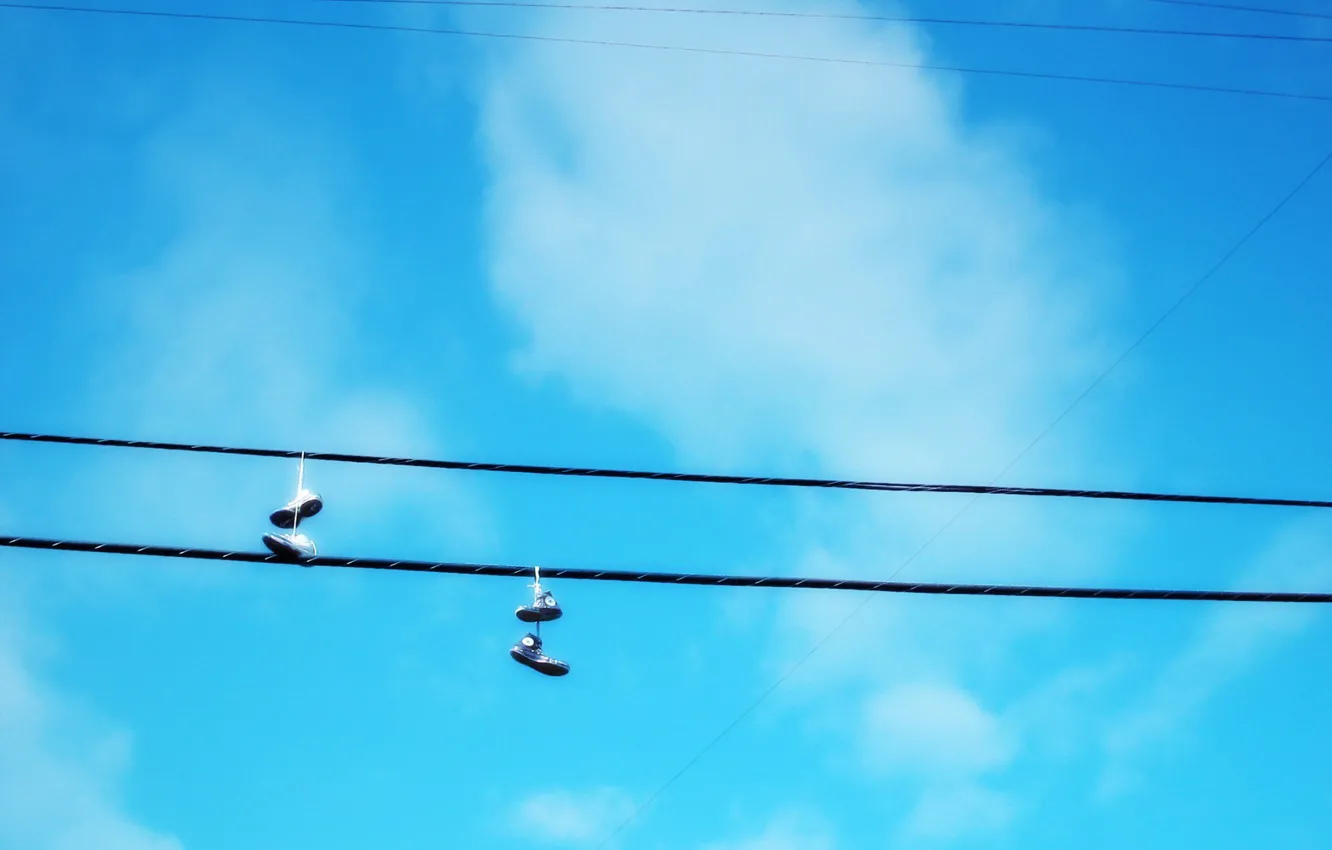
[290, 547]
[304, 506]
[542, 610]
[528, 653]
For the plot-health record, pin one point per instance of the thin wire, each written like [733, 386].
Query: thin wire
[1179, 302]
[696, 579]
[772, 13]
[1233, 8]
[688, 477]
[709, 51]
[955, 517]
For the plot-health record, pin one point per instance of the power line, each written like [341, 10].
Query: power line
[688, 477]
[1232, 8]
[832, 16]
[709, 51]
[702, 579]
[845, 621]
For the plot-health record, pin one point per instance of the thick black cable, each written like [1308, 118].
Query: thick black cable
[703, 579]
[1234, 8]
[709, 51]
[833, 16]
[690, 477]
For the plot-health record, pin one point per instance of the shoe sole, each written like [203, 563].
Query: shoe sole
[549, 668]
[529, 616]
[286, 517]
[283, 549]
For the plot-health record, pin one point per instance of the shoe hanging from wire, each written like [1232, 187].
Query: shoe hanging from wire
[528, 651]
[294, 546]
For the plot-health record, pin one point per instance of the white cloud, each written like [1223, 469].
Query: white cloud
[777, 262]
[787, 832]
[952, 811]
[571, 817]
[934, 729]
[945, 743]
[58, 779]
[773, 262]
[763, 257]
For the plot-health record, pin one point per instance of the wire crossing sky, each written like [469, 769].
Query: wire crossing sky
[1231, 7]
[688, 477]
[752, 54]
[706, 580]
[832, 16]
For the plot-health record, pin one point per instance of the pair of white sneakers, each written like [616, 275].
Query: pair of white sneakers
[294, 546]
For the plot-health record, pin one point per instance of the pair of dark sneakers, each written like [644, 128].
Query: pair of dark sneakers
[528, 651]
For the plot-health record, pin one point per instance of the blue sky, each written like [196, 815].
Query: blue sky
[548, 253]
